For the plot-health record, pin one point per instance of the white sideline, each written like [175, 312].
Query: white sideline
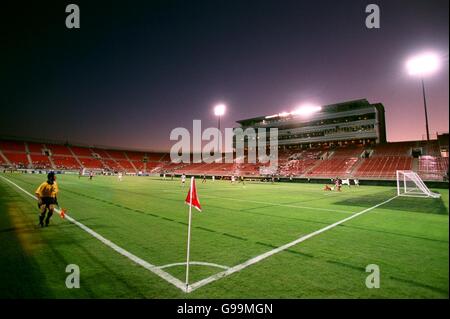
[256, 259]
[154, 269]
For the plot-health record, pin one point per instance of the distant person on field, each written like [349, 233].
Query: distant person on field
[183, 179]
[46, 195]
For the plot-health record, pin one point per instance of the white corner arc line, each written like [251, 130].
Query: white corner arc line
[154, 269]
[265, 255]
[200, 263]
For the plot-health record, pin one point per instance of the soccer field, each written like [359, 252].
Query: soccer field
[239, 235]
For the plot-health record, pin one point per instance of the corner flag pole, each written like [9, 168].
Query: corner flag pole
[189, 233]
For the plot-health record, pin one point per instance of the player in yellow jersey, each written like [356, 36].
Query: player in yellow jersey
[46, 194]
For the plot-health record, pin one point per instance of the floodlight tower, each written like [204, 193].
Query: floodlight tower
[423, 65]
[219, 111]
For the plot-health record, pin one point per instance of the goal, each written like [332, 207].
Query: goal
[410, 184]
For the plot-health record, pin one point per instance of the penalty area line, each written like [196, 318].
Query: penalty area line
[154, 269]
[265, 255]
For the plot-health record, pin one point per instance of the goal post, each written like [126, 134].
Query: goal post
[410, 184]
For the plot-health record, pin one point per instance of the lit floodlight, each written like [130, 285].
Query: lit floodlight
[219, 109]
[306, 110]
[423, 64]
[284, 114]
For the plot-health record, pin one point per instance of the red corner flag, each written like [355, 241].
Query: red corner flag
[192, 198]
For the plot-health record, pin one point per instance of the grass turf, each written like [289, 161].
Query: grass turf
[407, 238]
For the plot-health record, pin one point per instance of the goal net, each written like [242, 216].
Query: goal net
[410, 184]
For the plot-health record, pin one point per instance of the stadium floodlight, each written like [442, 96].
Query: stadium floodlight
[219, 110]
[422, 65]
[307, 109]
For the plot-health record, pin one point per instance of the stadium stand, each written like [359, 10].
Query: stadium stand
[40, 161]
[18, 160]
[433, 168]
[81, 151]
[364, 162]
[341, 167]
[116, 154]
[59, 150]
[35, 148]
[135, 156]
[383, 166]
[12, 146]
[66, 162]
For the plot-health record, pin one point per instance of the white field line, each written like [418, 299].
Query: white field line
[154, 269]
[271, 204]
[257, 259]
[201, 263]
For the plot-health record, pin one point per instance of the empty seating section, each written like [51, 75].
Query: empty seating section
[348, 152]
[393, 149]
[116, 154]
[125, 164]
[152, 166]
[81, 151]
[432, 149]
[157, 156]
[100, 152]
[65, 162]
[139, 165]
[35, 148]
[90, 162]
[296, 167]
[112, 165]
[383, 167]
[336, 166]
[40, 161]
[59, 150]
[19, 160]
[135, 156]
[12, 146]
[433, 168]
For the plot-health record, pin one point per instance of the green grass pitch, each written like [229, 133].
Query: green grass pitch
[406, 237]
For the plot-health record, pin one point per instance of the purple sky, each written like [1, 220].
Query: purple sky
[134, 72]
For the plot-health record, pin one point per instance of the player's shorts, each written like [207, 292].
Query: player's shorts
[49, 202]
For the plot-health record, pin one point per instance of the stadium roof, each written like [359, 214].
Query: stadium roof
[331, 108]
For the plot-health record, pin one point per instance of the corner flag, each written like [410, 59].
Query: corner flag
[62, 213]
[192, 198]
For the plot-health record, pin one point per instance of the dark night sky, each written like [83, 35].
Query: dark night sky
[136, 70]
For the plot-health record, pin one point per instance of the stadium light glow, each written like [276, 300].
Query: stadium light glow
[423, 64]
[219, 109]
[306, 110]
